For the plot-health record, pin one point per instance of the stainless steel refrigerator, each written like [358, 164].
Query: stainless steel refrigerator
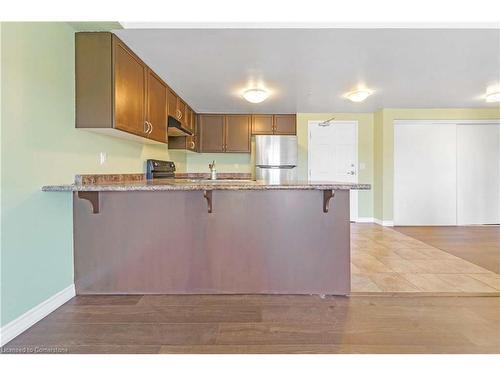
[276, 158]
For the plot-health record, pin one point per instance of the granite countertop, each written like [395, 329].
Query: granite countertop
[192, 184]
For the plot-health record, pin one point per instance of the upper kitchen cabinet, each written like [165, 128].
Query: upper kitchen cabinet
[173, 109]
[177, 108]
[224, 133]
[262, 124]
[237, 133]
[129, 91]
[285, 124]
[116, 92]
[274, 124]
[156, 110]
[211, 133]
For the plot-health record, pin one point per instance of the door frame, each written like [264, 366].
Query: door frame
[429, 122]
[354, 193]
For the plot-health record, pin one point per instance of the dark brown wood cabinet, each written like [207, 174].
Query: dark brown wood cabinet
[211, 132]
[172, 104]
[224, 133]
[116, 92]
[262, 124]
[285, 124]
[274, 124]
[177, 108]
[156, 110]
[129, 90]
[192, 141]
[237, 133]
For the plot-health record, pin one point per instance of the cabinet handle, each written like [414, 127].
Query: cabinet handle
[146, 127]
[192, 144]
[150, 127]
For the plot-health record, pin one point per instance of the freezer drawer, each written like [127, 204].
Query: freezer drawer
[276, 175]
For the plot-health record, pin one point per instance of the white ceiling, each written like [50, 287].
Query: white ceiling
[308, 70]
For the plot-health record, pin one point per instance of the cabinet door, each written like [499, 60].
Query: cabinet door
[130, 91]
[157, 107]
[262, 124]
[181, 106]
[172, 104]
[192, 141]
[189, 115]
[211, 132]
[284, 124]
[237, 133]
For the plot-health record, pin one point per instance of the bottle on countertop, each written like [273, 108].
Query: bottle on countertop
[213, 171]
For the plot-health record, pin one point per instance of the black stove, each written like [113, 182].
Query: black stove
[159, 169]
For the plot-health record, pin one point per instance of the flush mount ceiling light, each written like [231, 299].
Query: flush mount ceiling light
[358, 95]
[255, 95]
[493, 94]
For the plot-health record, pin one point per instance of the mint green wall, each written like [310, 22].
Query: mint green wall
[241, 163]
[40, 146]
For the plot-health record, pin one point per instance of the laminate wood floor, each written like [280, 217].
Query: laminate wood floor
[266, 324]
[477, 244]
[385, 260]
[390, 310]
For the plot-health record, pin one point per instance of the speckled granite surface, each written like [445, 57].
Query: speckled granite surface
[90, 179]
[225, 176]
[192, 184]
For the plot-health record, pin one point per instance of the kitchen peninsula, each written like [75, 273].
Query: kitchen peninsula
[195, 236]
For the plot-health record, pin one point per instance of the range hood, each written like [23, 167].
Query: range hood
[175, 128]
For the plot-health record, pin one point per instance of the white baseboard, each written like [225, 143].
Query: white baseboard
[37, 313]
[365, 220]
[385, 223]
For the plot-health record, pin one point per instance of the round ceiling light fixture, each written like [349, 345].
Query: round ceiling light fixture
[358, 95]
[493, 94]
[255, 95]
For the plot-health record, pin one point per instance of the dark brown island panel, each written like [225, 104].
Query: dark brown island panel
[190, 238]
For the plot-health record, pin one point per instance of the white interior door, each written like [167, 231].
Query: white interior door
[478, 174]
[333, 155]
[425, 178]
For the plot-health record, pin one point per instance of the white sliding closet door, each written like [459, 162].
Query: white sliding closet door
[478, 174]
[425, 179]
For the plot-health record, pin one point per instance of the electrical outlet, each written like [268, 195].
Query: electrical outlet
[362, 166]
[103, 157]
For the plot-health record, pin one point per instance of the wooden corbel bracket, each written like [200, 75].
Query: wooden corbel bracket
[208, 196]
[92, 197]
[327, 195]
